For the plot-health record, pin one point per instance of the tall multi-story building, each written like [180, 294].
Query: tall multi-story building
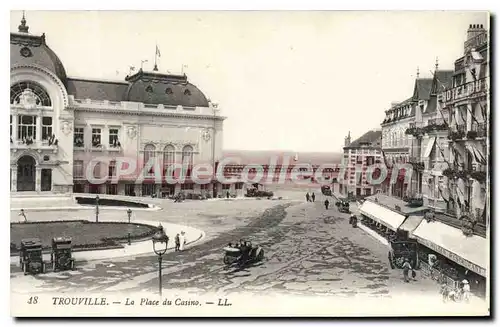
[59, 124]
[401, 146]
[467, 101]
[358, 156]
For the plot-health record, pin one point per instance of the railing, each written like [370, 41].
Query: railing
[457, 132]
[36, 144]
[479, 130]
[436, 121]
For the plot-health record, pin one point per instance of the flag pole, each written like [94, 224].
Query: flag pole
[156, 56]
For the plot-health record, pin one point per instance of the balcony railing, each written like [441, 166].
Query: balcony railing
[415, 129]
[457, 132]
[34, 144]
[477, 130]
[478, 87]
[464, 171]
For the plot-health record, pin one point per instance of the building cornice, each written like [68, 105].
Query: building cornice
[146, 113]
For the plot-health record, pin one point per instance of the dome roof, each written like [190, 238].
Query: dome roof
[26, 49]
[166, 89]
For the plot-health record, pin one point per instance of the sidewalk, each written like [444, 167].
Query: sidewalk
[193, 236]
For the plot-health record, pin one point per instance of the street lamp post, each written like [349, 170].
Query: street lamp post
[129, 214]
[160, 242]
[97, 208]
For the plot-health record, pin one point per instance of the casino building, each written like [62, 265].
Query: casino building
[58, 124]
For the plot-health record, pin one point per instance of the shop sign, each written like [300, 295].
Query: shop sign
[464, 91]
[452, 256]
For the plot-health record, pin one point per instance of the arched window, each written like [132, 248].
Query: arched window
[29, 94]
[168, 155]
[187, 155]
[149, 155]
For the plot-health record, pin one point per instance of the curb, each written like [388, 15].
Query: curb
[104, 208]
[202, 235]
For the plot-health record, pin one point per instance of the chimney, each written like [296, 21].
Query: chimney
[347, 139]
[474, 29]
[473, 40]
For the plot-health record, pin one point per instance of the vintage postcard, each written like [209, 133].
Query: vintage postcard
[249, 163]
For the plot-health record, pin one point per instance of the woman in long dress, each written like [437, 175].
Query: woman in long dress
[182, 239]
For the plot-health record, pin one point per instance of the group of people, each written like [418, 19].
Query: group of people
[462, 293]
[244, 247]
[310, 198]
[180, 241]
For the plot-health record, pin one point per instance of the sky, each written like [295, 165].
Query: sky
[296, 81]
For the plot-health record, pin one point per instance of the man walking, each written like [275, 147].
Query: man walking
[406, 270]
[327, 203]
[313, 197]
[177, 242]
[307, 196]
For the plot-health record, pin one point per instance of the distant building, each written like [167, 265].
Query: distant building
[358, 156]
[278, 167]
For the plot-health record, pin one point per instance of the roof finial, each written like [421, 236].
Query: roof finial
[437, 63]
[418, 72]
[23, 28]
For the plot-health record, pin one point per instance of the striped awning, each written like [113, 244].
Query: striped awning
[387, 217]
[430, 145]
[411, 223]
[471, 252]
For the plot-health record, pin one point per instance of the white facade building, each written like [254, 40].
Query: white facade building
[59, 124]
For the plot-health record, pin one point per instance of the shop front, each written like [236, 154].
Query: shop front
[452, 256]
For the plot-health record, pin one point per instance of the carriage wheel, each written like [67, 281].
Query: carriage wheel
[226, 260]
[259, 254]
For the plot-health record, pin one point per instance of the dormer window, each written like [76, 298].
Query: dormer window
[187, 92]
[169, 91]
[149, 89]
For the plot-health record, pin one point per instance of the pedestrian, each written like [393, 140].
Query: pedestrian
[177, 242]
[227, 194]
[313, 197]
[444, 292]
[307, 196]
[466, 290]
[327, 203]
[406, 270]
[182, 241]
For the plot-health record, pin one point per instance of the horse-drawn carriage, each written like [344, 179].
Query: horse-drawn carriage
[343, 206]
[30, 256]
[242, 255]
[401, 250]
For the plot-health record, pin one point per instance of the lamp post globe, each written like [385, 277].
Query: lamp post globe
[129, 214]
[160, 243]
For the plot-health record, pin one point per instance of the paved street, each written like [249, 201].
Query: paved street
[308, 251]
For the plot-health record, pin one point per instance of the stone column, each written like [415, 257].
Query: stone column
[38, 179]
[13, 178]
[39, 128]
[14, 130]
